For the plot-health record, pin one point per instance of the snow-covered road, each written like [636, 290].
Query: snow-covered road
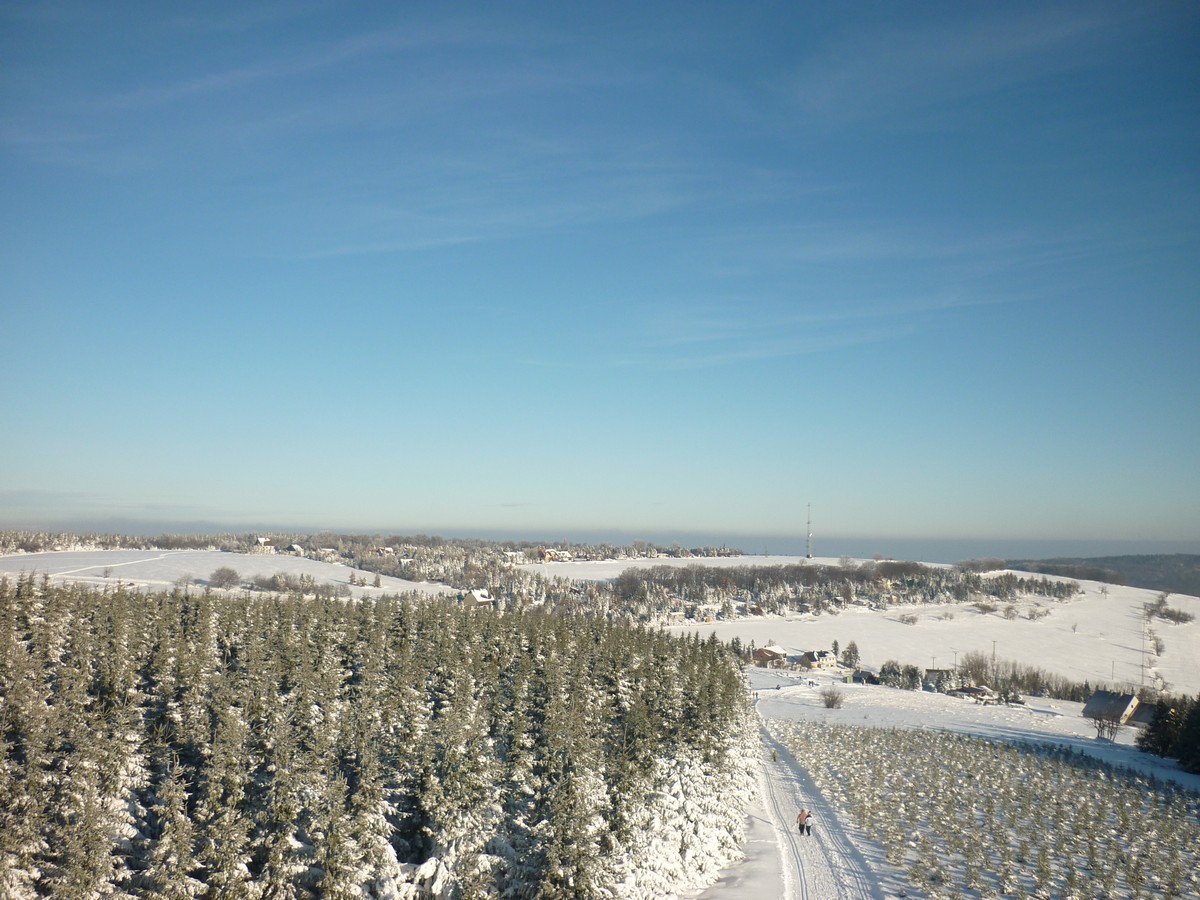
[825, 864]
[779, 861]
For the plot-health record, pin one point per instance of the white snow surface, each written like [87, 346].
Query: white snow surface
[838, 862]
[1095, 637]
[1098, 636]
[158, 569]
[604, 569]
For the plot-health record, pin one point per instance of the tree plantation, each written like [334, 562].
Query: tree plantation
[176, 745]
[970, 817]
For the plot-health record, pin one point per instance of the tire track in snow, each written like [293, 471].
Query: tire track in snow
[794, 883]
[827, 863]
[116, 565]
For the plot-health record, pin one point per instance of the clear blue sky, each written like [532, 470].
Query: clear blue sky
[552, 268]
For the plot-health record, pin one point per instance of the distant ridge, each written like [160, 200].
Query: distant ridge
[1175, 572]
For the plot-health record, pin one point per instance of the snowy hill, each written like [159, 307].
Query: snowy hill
[844, 858]
[1102, 636]
[1099, 636]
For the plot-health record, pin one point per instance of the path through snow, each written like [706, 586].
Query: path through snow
[825, 864]
[782, 863]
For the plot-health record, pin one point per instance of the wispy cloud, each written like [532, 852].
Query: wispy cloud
[739, 332]
[39, 136]
[754, 347]
[885, 74]
[299, 60]
[950, 256]
[824, 324]
[510, 186]
[249, 17]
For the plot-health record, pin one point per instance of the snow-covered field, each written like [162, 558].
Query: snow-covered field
[841, 860]
[1095, 637]
[1098, 636]
[163, 568]
[604, 569]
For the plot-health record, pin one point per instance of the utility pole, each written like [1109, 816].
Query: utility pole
[1143, 652]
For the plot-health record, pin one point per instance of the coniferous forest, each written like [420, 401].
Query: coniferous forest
[181, 744]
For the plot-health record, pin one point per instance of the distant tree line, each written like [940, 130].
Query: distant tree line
[193, 744]
[1173, 732]
[810, 587]
[462, 563]
[1175, 572]
[34, 541]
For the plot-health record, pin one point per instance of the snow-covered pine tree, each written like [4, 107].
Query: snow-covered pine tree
[171, 858]
[522, 782]
[24, 753]
[573, 857]
[458, 798]
[223, 850]
[280, 856]
[340, 868]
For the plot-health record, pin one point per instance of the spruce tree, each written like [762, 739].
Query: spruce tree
[172, 852]
[1187, 744]
[223, 850]
[340, 865]
[1162, 734]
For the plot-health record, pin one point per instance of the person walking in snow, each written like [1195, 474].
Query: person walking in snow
[808, 817]
[802, 820]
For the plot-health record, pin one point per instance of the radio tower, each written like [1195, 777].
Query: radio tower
[808, 544]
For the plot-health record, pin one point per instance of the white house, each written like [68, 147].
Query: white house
[476, 598]
[817, 659]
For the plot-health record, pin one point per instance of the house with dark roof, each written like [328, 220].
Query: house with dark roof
[1142, 716]
[1110, 706]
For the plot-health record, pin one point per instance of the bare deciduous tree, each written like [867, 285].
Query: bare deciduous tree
[224, 577]
[832, 698]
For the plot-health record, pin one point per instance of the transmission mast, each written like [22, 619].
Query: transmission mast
[808, 543]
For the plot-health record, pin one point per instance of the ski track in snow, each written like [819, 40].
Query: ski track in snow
[825, 865]
[117, 565]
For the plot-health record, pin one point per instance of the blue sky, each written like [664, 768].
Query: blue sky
[556, 268]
